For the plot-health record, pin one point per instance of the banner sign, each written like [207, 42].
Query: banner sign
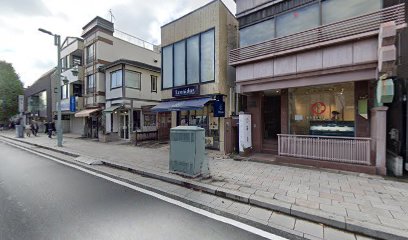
[72, 104]
[219, 109]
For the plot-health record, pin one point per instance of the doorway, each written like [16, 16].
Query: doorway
[271, 122]
[124, 126]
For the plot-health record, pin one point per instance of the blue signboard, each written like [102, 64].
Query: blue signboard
[219, 109]
[72, 104]
[186, 91]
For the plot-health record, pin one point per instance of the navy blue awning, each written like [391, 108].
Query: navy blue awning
[193, 104]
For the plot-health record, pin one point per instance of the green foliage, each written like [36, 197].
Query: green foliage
[10, 88]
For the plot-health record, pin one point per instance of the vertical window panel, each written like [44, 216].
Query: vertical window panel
[207, 56]
[180, 63]
[167, 75]
[116, 79]
[193, 60]
[298, 20]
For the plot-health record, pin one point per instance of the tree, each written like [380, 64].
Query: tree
[10, 88]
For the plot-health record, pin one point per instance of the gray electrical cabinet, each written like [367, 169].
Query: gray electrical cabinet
[187, 150]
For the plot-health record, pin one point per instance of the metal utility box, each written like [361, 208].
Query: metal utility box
[19, 131]
[187, 150]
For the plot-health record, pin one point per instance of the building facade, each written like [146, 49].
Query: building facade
[39, 98]
[307, 72]
[132, 88]
[72, 79]
[198, 86]
[104, 45]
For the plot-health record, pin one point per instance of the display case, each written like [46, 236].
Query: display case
[332, 128]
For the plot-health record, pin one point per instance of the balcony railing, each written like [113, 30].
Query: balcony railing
[334, 149]
[357, 27]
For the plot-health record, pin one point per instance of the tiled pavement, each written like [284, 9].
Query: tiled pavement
[362, 203]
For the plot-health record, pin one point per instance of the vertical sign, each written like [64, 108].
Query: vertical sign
[20, 103]
[72, 104]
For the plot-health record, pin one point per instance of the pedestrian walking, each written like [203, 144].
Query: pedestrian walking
[35, 128]
[28, 130]
[49, 129]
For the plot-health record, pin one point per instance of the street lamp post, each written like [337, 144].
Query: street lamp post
[57, 42]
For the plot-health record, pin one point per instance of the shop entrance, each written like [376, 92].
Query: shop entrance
[272, 122]
[124, 126]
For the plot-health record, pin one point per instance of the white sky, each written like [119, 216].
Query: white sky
[33, 53]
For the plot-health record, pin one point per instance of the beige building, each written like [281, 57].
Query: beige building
[132, 88]
[72, 85]
[104, 45]
[197, 83]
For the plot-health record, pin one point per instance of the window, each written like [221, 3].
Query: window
[149, 120]
[322, 110]
[64, 91]
[168, 67]
[116, 79]
[132, 79]
[90, 53]
[193, 60]
[189, 61]
[207, 56]
[77, 60]
[91, 83]
[153, 83]
[180, 66]
[334, 11]
[257, 33]
[298, 20]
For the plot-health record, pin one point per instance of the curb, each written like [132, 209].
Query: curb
[340, 222]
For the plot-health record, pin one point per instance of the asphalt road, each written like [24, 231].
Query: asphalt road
[43, 199]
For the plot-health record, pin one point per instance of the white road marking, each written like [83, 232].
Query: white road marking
[232, 222]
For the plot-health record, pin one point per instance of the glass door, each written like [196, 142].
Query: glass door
[124, 126]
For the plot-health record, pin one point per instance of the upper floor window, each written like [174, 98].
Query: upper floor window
[133, 79]
[189, 61]
[77, 60]
[257, 33]
[306, 17]
[90, 53]
[167, 66]
[298, 20]
[153, 84]
[116, 79]
[64, 91]
[335, 10]
[90, 83]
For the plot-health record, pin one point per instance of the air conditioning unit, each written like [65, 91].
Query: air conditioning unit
[187, 150]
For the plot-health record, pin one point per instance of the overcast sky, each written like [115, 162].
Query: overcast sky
[33, 53]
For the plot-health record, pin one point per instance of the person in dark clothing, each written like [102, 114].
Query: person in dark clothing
[35, 124]
[54, 130]
[49, 129]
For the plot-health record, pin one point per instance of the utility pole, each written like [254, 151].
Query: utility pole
[57, 42]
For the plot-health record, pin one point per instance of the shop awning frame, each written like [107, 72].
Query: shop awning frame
[86, 112]
[111, 108]
[181, 105]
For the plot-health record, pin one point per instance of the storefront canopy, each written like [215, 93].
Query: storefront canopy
[111, 109]
[86, 112]
[184, 105]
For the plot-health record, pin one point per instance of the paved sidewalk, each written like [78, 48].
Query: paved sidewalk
[359, 203]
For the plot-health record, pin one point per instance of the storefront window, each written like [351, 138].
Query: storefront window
[327, 110]
[167, 67]
[149, 120]
[202, 118]
[180, 66]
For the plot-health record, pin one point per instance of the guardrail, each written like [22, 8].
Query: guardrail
[368, 24]
[336, 149]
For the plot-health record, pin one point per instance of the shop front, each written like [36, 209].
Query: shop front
[320, 122]
[203, 111]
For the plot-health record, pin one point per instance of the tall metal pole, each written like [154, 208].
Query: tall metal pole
[57, 39]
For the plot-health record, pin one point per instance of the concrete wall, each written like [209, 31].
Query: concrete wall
[349, 54]
[77, 125]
